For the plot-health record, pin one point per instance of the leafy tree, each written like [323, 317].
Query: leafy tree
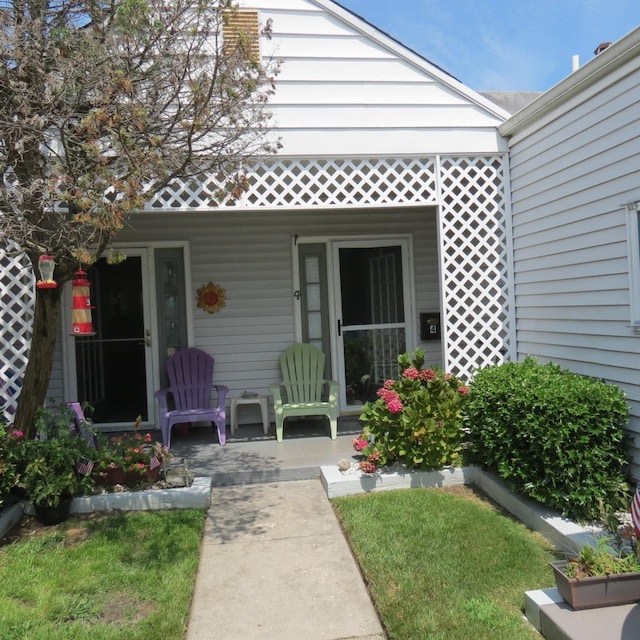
[104, 103]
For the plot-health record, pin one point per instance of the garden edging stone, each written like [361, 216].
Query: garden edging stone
[197, 496]
[9, 517]
[564, 534]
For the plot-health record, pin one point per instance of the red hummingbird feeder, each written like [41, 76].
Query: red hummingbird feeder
[46, 265]
[81, 324]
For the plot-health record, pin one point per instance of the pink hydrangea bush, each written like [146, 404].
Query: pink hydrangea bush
[416, 421]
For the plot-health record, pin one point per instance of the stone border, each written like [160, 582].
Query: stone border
[197, 496]
[566, 535]
[338, 483]
[9, 517]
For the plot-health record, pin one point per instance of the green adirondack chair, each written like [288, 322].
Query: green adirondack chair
[303, 390]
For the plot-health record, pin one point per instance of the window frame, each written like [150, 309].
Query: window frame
[633, 243]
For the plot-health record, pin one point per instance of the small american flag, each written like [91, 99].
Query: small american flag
[84, 467]
[154, 462]
[635, 511]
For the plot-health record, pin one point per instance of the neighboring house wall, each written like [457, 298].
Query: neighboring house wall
[575, 162]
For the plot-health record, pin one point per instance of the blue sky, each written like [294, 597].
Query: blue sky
[502, 45]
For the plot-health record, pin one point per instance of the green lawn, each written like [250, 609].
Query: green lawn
[105, 577]
[445, 565]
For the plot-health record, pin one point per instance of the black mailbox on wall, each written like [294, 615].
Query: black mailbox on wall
[430, 326]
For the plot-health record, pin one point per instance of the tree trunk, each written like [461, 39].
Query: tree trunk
[43, 342]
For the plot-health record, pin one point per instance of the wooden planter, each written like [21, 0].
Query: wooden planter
[120, 476]
[600, 591]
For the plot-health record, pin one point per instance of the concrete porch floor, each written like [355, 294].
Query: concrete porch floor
[250, 456]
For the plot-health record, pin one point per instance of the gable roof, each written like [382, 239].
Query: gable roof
[401, 50]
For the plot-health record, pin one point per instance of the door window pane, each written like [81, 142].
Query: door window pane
[371, 285]
[313, 299]
[111, 366]
[370, 358]
[172, 310]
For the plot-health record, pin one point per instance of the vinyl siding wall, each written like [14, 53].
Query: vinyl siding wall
[342, 93]
[250, 255]
[571, 172]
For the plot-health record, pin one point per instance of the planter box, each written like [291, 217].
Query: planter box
[9, 517]
[118, 475]
[600, 591]
[197, 496]
[337, 483]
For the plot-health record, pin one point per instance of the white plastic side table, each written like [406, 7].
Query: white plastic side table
[259, 400]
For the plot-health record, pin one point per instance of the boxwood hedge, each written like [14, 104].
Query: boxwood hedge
[555, 436]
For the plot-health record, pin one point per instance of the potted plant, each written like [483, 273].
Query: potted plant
[598, 577]
[49, 466]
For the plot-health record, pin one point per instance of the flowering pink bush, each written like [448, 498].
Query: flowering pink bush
[416, 420]
[10, 441]
[131, 452]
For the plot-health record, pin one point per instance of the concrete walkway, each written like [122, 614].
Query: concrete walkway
[275, 565]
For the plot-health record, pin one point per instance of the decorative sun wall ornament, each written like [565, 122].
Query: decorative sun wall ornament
[211, 297]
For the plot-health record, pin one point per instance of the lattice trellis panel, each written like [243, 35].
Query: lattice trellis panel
[17, 284]
[309, 183]
[474, 240]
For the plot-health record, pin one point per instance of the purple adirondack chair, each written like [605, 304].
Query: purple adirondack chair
[190, 384]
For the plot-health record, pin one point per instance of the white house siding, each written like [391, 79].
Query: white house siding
[342, 92]
[573, 165]
[250, 255]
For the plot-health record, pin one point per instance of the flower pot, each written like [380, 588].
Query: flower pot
[50, 515]
[597, 591]
[118, 475]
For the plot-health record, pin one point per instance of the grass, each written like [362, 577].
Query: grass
[106, 577]
[445, 564]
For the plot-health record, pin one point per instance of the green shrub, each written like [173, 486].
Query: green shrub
[553, 435]
[51, 458]
[416, 420]
[9, 445]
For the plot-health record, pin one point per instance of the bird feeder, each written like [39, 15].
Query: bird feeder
[46, 265]
[81, 305]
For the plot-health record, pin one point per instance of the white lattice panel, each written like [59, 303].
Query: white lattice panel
[315, 183]
[16, 317]
[470, 191]
[474, 262]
